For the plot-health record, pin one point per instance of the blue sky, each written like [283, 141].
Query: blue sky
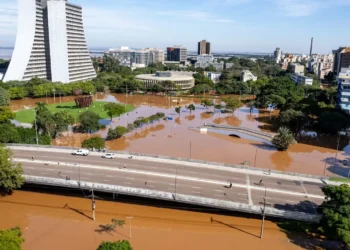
[230, 25]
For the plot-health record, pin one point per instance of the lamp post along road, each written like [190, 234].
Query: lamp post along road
[129, 218]
[36, 129]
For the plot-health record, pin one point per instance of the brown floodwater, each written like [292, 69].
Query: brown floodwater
[60, 222]
[177, 137]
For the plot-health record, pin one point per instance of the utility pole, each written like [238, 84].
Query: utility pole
[256, 154]
[175, 182]
[129, 218]
[263, 217]
[190, 149]
[93, 203]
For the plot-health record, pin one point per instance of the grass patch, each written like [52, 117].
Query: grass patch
[27, 116]
[339, 179]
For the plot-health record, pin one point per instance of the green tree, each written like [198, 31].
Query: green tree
[89, 122]
[4, 97]
[207, 103]
[233, 103]
[6, 114]
[283, 139]
[116, 133]
[8, 133]
[11, 239]
[62, 120]
[292, 119]
[191, 108]
[335, 222]
[178, 110]
[10, 173]
[45, 121]
[119, 245]
[17, 92]
[333, 122]
[95, 142]
[114, 109]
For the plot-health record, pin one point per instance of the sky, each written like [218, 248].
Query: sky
[230, 25]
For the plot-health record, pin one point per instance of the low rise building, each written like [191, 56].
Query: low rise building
[228, 65]
[246, 75]
[180, 80]
[343, 96]
[214, 76]
[301, 79]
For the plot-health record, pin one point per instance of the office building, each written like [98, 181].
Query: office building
[204, 48]
[343, 97]
[204, 61]
[301, 79]
[321, 65]
[297, 68]
[177, 54]
[246, 75]
[341, 59]
[137, 58]
[181, 80]
[50, 43]
[277, 55]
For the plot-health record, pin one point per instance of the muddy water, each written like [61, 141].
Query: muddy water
[60, 222]
[177, 138]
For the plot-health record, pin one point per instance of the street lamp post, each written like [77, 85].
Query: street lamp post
[263, 217]
[129, 218]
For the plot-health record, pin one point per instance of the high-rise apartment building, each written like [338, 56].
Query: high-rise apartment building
[343, 97]
[177, 54]
[204, 48]
[50, 43]
[341, 59]
[277, 55]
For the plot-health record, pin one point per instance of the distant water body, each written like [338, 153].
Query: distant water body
[6, 53]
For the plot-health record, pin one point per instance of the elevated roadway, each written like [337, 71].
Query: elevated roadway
[221, 186]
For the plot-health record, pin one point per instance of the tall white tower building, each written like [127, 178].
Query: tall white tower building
[50, 43]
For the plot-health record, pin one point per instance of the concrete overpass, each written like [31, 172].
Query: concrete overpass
[288, 196]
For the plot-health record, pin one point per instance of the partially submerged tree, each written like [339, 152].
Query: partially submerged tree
[178, 110]
[191, 108]
[11, 239]
[114, 109]
[283, 139]
[118, 245]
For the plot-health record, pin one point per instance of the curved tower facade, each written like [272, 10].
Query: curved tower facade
[50, 43]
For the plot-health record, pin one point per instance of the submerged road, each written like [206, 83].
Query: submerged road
[282, 192]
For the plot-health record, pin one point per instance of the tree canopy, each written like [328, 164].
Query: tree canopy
[116, 133]
[10, 173]
[336, 213]
[283, 139]
[114, 109]
[95, 142]
[89, 122]
[118, 245]
[4, 97]
[11, 239]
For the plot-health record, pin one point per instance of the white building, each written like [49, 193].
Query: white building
[321, 65]
[50, 43]
[277, 55]
[214, 76]
[246, 75]
[301, 79]
[228, 65]
[343, 98]
[204, 61]
[1, 76]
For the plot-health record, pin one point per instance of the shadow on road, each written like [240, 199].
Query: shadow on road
[303, 206]
[231, 226]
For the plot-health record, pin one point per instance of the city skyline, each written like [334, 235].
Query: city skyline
[240, 26]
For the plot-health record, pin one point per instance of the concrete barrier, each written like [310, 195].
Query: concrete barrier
[194, 200]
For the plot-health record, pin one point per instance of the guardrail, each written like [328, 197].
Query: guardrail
[194, 200]
[239, 128]
[178, 159]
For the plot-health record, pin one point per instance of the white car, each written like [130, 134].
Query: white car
[108, 156]
[83, 152]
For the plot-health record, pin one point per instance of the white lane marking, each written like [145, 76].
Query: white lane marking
[242, 194]
[187, 178]
[42, 173]
[127, 183]
[128, 178]
[107, 180]
[195, 192]
[151, 182]
[221, 191]
[196, 187]
[249, 191]
[218, 195]
[88, 173]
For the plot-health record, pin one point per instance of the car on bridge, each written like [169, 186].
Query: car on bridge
[108, 156]
[83, 152]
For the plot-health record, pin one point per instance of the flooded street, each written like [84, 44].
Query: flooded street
[60, 222]
[176, 137]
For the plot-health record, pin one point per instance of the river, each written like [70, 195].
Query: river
[61, 222]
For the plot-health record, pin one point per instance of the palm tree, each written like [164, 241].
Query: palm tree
[283, 139]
